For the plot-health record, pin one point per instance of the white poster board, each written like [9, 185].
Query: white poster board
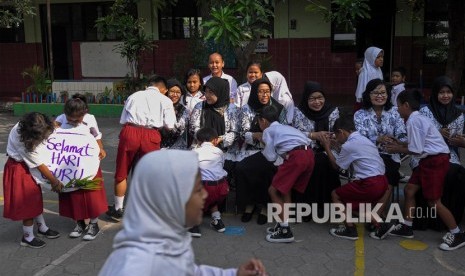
[99, 60]
[69, 154]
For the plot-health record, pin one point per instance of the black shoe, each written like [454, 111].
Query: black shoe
[49, 234]
[246, 217]
[195, 232]
[91, 232]
[271, 230]
[262, 219]
[78, 229]
[35, 243]
[453, 241]
[115, 214]
[370, 227]
[218, 225]
[382, 231]
[345, 232]
[402, 230]
[283, 234]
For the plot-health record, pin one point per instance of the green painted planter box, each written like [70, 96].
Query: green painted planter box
[55, 109]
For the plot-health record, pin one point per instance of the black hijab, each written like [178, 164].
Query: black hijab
[257, 106]
[178, 107]
[444, 114]
[213, 114]
[321, 117]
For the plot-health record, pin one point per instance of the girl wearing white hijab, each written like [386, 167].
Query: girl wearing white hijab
[154, 239]
[281, 92]
[371, 69]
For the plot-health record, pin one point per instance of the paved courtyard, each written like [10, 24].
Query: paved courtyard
[315, 252]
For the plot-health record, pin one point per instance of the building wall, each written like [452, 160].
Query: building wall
[14, 58]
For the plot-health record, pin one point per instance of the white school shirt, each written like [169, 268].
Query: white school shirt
[230, 79]
[149, 108]
[396, 89]
[16, 150]
[242, 94]
[191, 101]
[211, 162]
[362, 154]
[280, 139]
[88, 120]
[423, 137]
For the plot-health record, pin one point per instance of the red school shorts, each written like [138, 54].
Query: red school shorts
[295, 172]
[368, 190]
[134, 142]
[217, 192]
[430, 175]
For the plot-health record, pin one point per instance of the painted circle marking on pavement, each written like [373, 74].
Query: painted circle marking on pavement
[413, 245]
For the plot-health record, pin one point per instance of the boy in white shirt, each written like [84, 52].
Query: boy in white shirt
[211, 163]
[425, 141]
[216, 65]
[295, 171]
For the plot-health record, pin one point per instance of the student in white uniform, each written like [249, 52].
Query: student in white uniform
[194, 84]
[216, 65]
[426, 142]
[144, 113]
[254, 72]
[371, 69]
[162, 245]
[211, 163]
[22, 194]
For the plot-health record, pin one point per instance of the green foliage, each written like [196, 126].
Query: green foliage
[40, 82]
[131, 31]
[344, 12]
[238, 22]
[13, 14]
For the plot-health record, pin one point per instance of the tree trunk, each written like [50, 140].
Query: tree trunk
[456, 54]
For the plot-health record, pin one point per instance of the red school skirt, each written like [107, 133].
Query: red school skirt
[22, 195]
[84, 204]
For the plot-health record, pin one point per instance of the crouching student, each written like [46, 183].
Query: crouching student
[295, 171]
[426, 142]
[371, 183]
[211, 163]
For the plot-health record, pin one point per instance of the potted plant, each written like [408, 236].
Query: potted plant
[40, 83]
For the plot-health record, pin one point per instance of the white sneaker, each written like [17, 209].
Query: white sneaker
[78, 230]
[91, 232]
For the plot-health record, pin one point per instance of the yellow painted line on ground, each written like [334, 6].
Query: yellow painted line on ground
[1, 198]
[360, 252]
[50, 201]
[413, 245]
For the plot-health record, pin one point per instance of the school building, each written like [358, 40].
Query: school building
[302, 46]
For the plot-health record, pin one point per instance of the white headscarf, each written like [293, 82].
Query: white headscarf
[369, 71]
[281, 92]
[154, 239]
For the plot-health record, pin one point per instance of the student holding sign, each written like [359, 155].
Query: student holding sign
[72, 161]
[19, 186]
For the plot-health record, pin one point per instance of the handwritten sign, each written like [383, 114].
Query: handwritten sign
[69, 153]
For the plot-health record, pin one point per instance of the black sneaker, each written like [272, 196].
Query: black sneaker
[115, 214]
[345, 232]
[283, 234]
[91, 232]
[195, 232]
[218, 225]
[49, 234]
[35, 243]
[453, 241]
[402, 230]
[382, 231]
[78, 229]
[271, 230]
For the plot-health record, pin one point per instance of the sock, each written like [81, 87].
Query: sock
[119, 200]
[284, 224]
[94, 220]
[28, 233]
[41, 223]
[455, 230]
[216, 215]
[408, 223]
